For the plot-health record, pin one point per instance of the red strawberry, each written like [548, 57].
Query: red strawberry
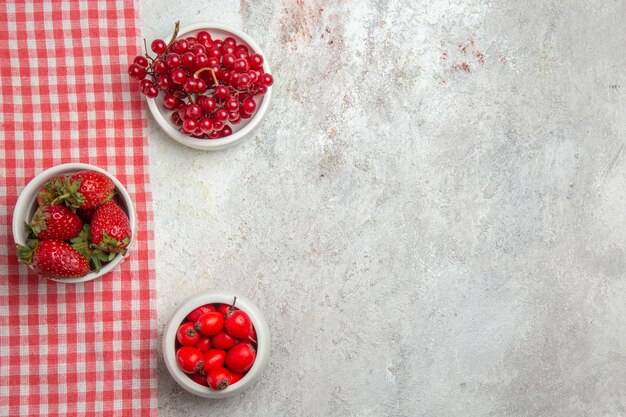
[86, 190]
[53, 259]
[86, 214]
[110, 229]
[55, 222]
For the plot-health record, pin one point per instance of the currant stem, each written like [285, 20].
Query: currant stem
[176, 28]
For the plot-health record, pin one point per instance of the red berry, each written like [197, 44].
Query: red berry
[223, 341]
[234, 117]
[206, 125]
[266, 79]
[200, 379]
[198, 49]
[213, 358]
[251, 338]
[193, 110]
[214, 51]
[164, 82]
[142, 61]
[173, 60]
[158, 46]
[229, 40]
[248, 105]
[187, 334]
[208, 104]
[244, 80]
[221, 115]
[242, 49]
[188, 60]
[200, 86]
[218, 378]
[241, 65]
[144, 84]
[223, 309]
[152, 91]
[190, 125]
[237, 324]
[55, 222]
[228, 60]
[180, 46]
[231, 105]
[137, 72]
[196, 313]
[228, 49]
[221, 91]
[203, 36]
[170, 101]
[54, 259]
[110, 229]
[203, 344]
[178, 75]
[226, 131]
[210, 323]
[189, 359]
[160, 67]
[176, 119]
[240, 357]
[235, 377]
[191, 85]
[255, 61]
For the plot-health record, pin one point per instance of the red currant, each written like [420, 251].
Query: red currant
[158, 46]
[229, 40]
[198, 49]
[137, 72]
[141, 60]
[208, 104]
[160, 67]
[241, 65]
[178, 75]
[152, 91]
[221, 91]
[266, 79]
[190, 126]
[232, 105]
[248, 106]
[255, 61]
[203, 36]
[170, 101]
[221, 115]
[194, 111]
[206, 125]
[226, 131]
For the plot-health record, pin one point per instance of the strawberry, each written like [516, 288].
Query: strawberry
[55, 222]
[110, 229]
[96, 257]
[86, 214]
[53, 259]
[86, 190]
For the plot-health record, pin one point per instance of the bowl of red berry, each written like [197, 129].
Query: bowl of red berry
[216, 344]
[73, 223]
[208, 85]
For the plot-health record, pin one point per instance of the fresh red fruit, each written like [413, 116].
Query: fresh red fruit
[213, 358]
[223, 308]
[197, 312]
[158, 46]
[237, 324]
[210, 323]
[55, 222]
[235, 377]
[110, 229]
[187, 334]
[240, 357]
[255, 61]
[189, 359]
[223, 341]
[53, 259]
[266, 79]
[86, 189]
[137, 72]
[142, 61]
[203, 344]
[251, 338]
[218, 378]
[248, 105]
[199, 379]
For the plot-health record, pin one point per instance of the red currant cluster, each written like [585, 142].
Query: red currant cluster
[208, 82]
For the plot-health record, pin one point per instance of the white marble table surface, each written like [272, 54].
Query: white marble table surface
[431, 216]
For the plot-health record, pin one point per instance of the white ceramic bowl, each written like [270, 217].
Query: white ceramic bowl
[224, 297]
[27, 205]
[240, 130]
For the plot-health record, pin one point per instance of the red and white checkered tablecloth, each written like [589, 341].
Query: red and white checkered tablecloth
[74, 349]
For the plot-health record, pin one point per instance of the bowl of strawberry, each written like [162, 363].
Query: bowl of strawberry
[216, 344]
[73, 223]
[208, 85]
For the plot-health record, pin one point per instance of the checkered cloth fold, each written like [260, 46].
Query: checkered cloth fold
[74, 349]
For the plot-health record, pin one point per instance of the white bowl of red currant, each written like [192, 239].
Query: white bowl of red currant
[208, 85]
[216, 344]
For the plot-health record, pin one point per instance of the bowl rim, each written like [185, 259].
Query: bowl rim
[29, 193]
[222, 143]
[208, 297]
